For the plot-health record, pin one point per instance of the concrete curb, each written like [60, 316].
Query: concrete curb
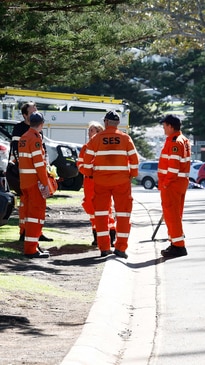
[121, 322]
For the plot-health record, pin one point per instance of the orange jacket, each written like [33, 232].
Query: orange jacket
[80, 162]
[174, 162]
[32, 163]
[111, 157]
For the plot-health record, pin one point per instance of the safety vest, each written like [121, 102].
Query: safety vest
[174, 161]
[32, 163]
[111, 157]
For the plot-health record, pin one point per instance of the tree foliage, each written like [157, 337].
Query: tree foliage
[78, 42]
[184, 78]
[143, 148]
[70, 45]
[66, 47]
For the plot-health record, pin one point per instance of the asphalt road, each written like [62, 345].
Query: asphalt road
[149, 311]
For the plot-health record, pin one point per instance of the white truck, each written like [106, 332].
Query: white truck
[66, 115]
[66, 123]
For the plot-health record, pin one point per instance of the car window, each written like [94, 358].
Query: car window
[66, 152]
[8, 126]
[149, 166]
[197, 167]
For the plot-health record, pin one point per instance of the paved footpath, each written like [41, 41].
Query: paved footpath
[149, 311]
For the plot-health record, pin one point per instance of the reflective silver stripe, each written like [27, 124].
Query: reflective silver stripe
[15, 138]
[132, 152]
[185, 159]
[31, 239]
[36, 153]
[101, 212]
[133, 166]
[183, 174]
[32, 220]
[27, 171]
[162, 171]
[174, 157]
[90, 152]
[80, 159]
[177, 239]
[122, 214]
[111, 168]
[111, 152]
[25, 154]
[103, 233]
[88, 166]
[174, 171]
[122, 235]
[92, 216]
[39, 164]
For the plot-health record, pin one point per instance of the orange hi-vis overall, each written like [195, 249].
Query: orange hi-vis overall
[32, 168]
[18, 131]
[88, 186]
[173, 175]
[112, 159]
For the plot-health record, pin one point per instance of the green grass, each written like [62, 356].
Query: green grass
[176, 107]
[26, 287]
[65, 239]
[70, 198]
[30, 286]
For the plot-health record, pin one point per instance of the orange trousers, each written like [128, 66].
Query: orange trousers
[22, 216]
[121, 195]
[87, 204]
[34, 210]
[172, 201]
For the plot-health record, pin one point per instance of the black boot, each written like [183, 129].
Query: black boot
[44, 238]
[94, 243]
[112, 237]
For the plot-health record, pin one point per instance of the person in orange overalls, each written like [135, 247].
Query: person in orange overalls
[88, 185]
[19, 129]
[33, 173]
[173, 180]
[112, 160]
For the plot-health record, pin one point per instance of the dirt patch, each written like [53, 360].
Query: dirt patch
[44, 303]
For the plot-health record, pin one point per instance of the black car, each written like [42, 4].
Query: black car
[63, 155]
[7, 201]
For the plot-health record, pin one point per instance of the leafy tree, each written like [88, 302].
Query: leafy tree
[143, 148]
[78, 42]
[75, 45]
[184, 78]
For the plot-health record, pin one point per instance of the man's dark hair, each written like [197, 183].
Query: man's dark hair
[172, 120]
[24, 108]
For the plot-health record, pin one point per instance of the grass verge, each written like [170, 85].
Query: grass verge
[64, 235]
